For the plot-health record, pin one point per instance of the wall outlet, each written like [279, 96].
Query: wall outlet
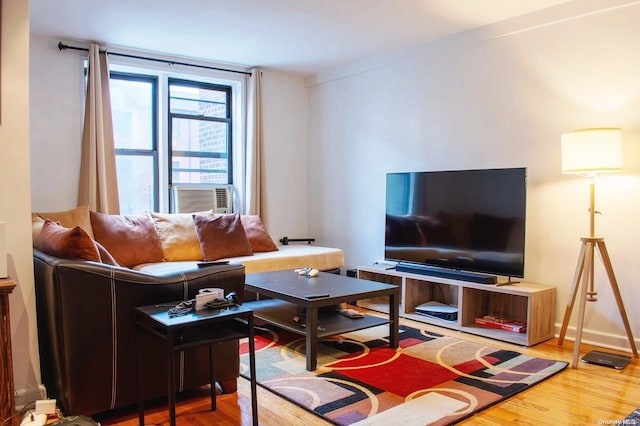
[45, 406]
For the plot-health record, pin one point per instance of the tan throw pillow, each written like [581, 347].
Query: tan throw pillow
[131, 240]
[221, 236]
[177, 235]
[36, 229]
[68, 243]
[258, 236]
[70, 218]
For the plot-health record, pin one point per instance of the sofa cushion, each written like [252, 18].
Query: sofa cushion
[292, 256]
[221, 236]
[131, 240]
[258, 236]
[67, 218]
[177, 235]
[68, 243]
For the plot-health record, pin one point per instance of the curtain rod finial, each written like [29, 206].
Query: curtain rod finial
[61, 46]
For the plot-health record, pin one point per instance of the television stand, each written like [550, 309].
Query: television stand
[456, 274]
[521, 302]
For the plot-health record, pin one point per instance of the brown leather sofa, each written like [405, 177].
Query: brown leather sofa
[87, 331]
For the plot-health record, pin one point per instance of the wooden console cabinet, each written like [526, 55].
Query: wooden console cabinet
[7, 395]
[532, 304]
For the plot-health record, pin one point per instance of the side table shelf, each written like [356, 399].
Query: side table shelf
[7, 394]
[533, 304]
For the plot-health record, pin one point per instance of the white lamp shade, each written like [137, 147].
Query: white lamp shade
[591, 151]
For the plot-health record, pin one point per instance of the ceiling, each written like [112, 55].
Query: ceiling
[299, 36]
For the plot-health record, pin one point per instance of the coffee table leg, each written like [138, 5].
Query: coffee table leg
[394, 313]
[312, 338]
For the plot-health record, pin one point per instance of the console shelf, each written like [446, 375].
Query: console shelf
[532, 304]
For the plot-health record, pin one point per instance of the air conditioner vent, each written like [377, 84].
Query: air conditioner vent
[222, 198]
[189, 199]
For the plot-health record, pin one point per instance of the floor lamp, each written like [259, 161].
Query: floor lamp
[589, 152]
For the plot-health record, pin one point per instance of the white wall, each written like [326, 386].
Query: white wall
[56, 127]
[285, 151]
[500, 96]
[15, 202]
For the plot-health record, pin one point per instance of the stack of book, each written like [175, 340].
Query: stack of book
[492, 321]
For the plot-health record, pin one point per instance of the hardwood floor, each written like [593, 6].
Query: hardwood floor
[588, 395]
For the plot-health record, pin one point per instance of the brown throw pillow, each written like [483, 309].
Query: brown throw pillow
[258, 236]
[105, 256]
[131, 240]
[221, 236]
[67, 243]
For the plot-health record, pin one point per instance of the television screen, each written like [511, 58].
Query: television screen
[468, 220]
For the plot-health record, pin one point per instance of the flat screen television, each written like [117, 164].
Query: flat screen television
[468, 224]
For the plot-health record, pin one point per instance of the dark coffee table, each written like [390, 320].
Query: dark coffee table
[288, 293]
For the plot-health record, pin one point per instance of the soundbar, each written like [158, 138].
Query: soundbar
[453, 274]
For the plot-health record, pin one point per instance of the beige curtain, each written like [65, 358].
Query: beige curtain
[254, 181]
[98, 181]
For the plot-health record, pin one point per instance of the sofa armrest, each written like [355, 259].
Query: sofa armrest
[86, 327]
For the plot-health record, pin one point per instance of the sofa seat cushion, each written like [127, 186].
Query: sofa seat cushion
[286, 257]
[293, 256]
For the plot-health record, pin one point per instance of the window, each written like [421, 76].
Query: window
[135, 111]
[199, 133]
[171, 130]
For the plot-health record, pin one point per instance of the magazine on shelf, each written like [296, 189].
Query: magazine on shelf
[492, 321]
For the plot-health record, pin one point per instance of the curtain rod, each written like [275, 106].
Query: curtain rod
[62, 46]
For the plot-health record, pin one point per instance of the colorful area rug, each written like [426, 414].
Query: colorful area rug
[430, 380]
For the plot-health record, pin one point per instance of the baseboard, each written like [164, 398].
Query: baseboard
[618, 342]
[32, 394]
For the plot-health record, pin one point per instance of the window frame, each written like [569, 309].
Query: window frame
[228, 120]
[238, 110]
[153, 152]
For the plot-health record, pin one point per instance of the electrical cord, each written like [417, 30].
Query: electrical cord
[26, 409]
[182, 308]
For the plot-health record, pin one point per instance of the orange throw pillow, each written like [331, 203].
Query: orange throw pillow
[68, 243]
[221, 236]
[131, 240]
[258, 236]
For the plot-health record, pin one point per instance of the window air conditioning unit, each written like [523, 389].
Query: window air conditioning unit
[190, 199]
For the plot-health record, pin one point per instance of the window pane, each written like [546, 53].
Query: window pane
[194, 135]
[132, 108]
[199, 170]
[135, 183]
[184, 99]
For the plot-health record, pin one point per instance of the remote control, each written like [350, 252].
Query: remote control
[316, 296]
[213, 263]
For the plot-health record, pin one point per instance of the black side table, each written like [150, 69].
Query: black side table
[204, 327]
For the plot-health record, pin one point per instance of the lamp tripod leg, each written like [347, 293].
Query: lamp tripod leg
[616, 292]
[587, 266]
[573, 293]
